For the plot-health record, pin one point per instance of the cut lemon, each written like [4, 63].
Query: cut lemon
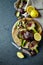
[29, 9]
[37, 36]
[20, 55]
[34, 13]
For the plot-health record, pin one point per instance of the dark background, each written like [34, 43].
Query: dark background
[7, 50]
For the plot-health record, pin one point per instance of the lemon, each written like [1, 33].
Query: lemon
[20, 55]
[29, 9]
[37, 36]
[34, 13]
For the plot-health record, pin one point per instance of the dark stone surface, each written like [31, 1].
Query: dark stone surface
[7, 50]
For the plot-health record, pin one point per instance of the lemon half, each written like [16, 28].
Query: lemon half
[34, 13]
[37, 36]
[29, 9]
[20, 55]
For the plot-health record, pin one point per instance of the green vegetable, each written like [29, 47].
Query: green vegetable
[17, 14]
[17, 24]
[32, 27]
[20, 5]
[23, 24]
[35, 48]
[34, 30]
[19, 36]
[23, 42]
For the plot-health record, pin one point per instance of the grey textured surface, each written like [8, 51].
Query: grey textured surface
[7, 50]
[38, 3]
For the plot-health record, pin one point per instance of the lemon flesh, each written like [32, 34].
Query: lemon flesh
[37, 36]
[34, 13]
[20, 55]
[29, 9]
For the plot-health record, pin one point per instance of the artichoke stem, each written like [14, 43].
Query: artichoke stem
[34, 30]
[36, 50]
